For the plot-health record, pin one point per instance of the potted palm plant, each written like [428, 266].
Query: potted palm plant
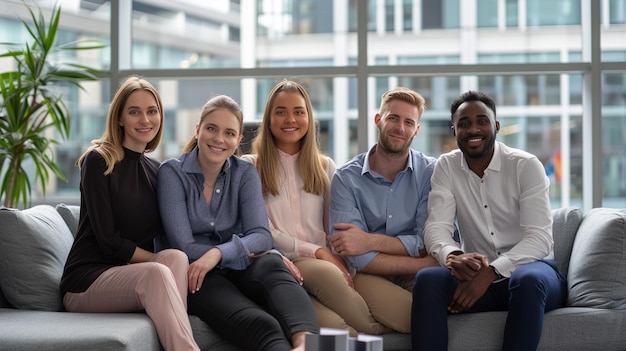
[33, 114]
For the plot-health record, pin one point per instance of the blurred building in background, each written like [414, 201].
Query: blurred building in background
[557, 70]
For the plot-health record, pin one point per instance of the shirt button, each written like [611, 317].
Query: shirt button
[485, 206]
[217, 190]
[212, 224]
[390, 216]
[491, 233]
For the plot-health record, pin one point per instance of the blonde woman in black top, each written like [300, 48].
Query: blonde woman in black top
[111, 266]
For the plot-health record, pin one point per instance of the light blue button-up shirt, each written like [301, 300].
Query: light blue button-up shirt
[362, 197]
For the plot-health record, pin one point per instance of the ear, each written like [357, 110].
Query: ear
[497, 126]
[417, 129]
[377, 118]
[453, 131]
[197, 131]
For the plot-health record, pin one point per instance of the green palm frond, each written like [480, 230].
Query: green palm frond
[31, 103]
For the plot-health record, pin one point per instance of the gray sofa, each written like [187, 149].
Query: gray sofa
[590, 248]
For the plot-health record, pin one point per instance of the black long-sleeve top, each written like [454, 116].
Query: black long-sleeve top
[118, 212]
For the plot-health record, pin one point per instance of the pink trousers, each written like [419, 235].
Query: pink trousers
[159, 287]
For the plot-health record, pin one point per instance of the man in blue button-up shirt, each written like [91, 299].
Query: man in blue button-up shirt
[378, 210]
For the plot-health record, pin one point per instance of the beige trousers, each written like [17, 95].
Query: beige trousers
[336, 304]
[159, 287]
[388, 298]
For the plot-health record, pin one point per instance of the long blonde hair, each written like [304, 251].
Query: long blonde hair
[110, 143]
[311, 162]
[216, 103]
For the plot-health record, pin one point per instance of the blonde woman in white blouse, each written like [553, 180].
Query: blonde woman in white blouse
[295, 178]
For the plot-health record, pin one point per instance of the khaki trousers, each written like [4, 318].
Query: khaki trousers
[336, 304]
[388, 298]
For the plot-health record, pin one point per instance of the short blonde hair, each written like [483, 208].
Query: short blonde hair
[403, 94]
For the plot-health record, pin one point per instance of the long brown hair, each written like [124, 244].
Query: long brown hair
[110, 143]
[311, 162]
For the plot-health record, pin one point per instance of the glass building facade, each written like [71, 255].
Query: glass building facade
[557, 70]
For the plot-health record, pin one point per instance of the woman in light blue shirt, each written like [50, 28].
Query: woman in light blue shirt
[213, 210]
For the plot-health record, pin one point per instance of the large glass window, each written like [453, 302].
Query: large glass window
[528, 54]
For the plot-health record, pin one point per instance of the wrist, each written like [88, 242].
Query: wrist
[495, 271]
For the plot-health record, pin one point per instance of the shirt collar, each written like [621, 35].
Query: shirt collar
[366, 161]
[496, 160]
[191, 164]
[283, 154]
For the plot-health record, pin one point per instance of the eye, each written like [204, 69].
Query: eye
[153, 112]
[210, 128]
[230, 133]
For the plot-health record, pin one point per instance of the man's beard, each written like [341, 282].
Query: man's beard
[390, 148]
[488, 146]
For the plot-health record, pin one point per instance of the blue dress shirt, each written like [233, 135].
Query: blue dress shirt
[362, 197]
[235, 222]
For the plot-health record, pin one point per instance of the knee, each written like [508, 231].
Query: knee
[430, 275]
[175, 256]
[156, 274]
[527, 283]
[267, 265]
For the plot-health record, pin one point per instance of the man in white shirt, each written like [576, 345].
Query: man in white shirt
[499, 196]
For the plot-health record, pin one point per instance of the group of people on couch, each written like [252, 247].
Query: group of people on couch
[266, 248]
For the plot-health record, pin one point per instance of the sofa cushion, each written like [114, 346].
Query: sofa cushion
[565, 224]
[34, 244]
[597, 269]
[71, 215]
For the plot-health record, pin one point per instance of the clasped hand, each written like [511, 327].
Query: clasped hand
[349, 241]
[467, 265]
[475, 276]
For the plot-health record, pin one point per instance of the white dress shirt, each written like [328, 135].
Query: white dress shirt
[504, 215]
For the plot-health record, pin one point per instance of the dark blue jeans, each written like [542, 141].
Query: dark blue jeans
[532, 290]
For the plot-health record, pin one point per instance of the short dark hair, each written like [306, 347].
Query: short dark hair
[472, 96]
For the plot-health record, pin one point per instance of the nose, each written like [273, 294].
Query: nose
[219, 138]
[400, 127]
[144, 118]
[289, 117]
[474, 128]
